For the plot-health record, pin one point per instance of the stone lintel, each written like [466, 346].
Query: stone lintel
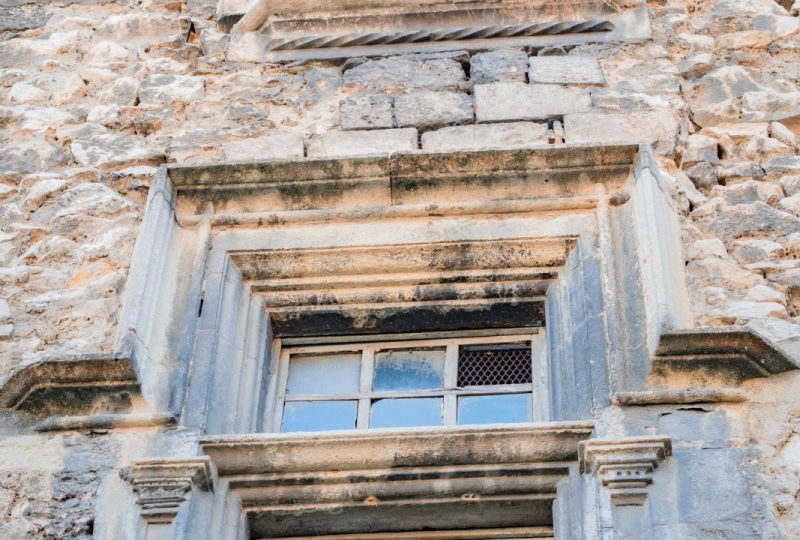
[162, 485]
[68, 383]
[402, 183]
[729, 354]
[625, 466]
[105, 421]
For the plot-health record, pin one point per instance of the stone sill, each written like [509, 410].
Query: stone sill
[372, 449]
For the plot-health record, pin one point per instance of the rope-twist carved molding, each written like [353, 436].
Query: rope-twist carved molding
[472, 32]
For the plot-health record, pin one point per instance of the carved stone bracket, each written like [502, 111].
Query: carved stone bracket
[162, 485]
[714, 356]
[625, 466]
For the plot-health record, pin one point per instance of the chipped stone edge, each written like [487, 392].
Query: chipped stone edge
[678, 397]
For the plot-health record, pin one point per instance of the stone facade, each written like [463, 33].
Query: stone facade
[123, 126]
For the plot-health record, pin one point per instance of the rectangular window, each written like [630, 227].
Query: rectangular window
[405, 383]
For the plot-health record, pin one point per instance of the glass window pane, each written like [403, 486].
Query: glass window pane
[410, 369]
[324, 374]
[496, 409]
[406, 412]
[319, 415]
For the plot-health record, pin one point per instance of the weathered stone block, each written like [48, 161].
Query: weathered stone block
[482, 136]
[165, 89]
[503, 65]
[356, 143]
[366, 111]
[518, 101]
[270, 146]
[768, 105]
[658, 127]
[20, 18]
[715, 95]
[702, 175]
[565, 70]
[403, 73]
[426, 109]
[748, 192]
[700, 148]
[791, 184]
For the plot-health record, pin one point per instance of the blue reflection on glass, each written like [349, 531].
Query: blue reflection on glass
[324, 374]
[319, 415]
[406, 412]
[409, 370]
[499, 409]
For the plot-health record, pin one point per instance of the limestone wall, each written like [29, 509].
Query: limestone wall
[94, 95]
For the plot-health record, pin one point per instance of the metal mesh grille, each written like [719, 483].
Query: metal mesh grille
[490, 365]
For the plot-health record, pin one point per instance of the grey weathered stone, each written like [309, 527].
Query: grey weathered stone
[780, 132]
[700, 148]
[715, 95]
[658, 127]
[405, 73]
[790, 204]
[790, 184]
[22, 18]
[768, 105]
[783, 165]
[750, 250]
[703, 175]
[696, 65]
[742, 220]
[29, 155]
[748, 192]
[502, 65]
[565, 70]
[740, 169]
[273, 145]
[366, 111]
[166, 89]
[356, 143]
[94, 146]
[482, 136]
[518, 101]
[427, 109]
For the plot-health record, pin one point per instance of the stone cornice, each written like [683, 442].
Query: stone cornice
[625, 465]
[68, 377]
[270, 30]
[730, 354]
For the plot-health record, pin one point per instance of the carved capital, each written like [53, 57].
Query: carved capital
[625, 466]
[162, 485]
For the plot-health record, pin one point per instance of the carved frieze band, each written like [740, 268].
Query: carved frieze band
[162, 485]
[447, 34]
[625, 466]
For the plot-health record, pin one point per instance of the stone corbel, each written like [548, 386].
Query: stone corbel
[163, 485]
[624, 466]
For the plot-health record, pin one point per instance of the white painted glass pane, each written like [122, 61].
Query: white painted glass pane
[497, 409]
[406, 412]
[319, 415]
[411, 369]
[324, 374]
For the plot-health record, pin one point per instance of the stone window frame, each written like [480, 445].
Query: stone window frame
[277, 397]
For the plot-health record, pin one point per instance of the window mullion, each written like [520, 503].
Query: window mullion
[450, 379]
[367, 367]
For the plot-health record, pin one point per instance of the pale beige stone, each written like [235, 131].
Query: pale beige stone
[356, 143]
[274, 145]
[656, 127]
[483, 136]
[518, 101]
[565, 70]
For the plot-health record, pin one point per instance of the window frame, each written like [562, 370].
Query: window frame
[368, 346]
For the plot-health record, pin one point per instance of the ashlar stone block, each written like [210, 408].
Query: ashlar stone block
[657, 127]
[366, 111]
[565, 70]
[502, 65]
[358, 143]
[482, 136]
[270, 146]
[398, 73]
[500, 102]
[425, 109]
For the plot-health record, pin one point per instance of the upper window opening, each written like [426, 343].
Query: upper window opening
[413, 383]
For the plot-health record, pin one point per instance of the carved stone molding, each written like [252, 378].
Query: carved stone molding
[718, 356]
[295, 29]
[625, 466]
[71, 383]
[367, 482]
[163, 485]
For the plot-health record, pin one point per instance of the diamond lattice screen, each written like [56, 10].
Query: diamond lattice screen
[486, 366]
